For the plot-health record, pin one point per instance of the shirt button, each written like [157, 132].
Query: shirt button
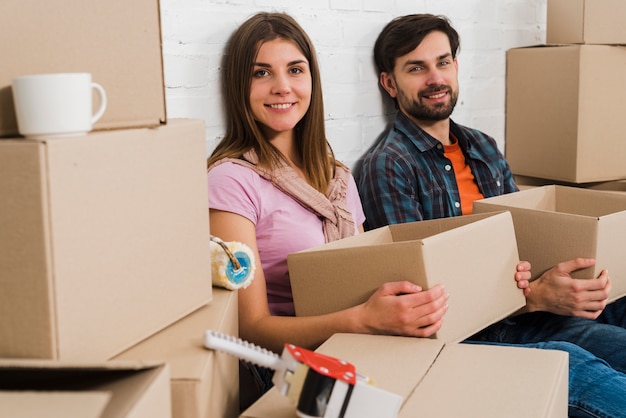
[498, 183]
[457, 205]
[439, 146]
[447, 167]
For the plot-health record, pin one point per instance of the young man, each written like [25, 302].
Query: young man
[429, 167]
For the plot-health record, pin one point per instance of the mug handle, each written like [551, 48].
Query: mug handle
[103, 102]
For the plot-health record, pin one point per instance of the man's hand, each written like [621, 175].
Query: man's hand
[558, 292]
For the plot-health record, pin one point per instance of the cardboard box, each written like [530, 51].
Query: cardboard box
[345, 273]
[561, 123]
[447, 380]
[105, 239]
[586, 22]
[118, 42]
[31, 388]
[204, 383]
[558, 223]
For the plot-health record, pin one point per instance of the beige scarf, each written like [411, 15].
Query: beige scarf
[337, 219]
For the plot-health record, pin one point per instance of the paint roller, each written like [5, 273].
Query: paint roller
[232, 264]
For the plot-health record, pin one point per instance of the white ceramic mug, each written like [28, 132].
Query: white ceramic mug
[56, 104]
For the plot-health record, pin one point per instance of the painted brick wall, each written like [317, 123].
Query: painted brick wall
[344, 31]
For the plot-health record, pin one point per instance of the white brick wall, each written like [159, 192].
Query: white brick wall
[344, 31]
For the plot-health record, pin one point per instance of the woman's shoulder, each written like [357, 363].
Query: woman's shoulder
[232, 170]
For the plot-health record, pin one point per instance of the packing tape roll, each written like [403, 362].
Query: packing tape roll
[232, 264]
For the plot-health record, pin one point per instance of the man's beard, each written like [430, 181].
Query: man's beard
[417, 110]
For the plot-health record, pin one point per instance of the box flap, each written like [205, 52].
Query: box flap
[25, 252]
[481, 381]
[70, 404]
[474, 277]
[140, 388]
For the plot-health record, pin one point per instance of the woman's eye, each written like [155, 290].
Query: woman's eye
[261, 73]
[296, 70]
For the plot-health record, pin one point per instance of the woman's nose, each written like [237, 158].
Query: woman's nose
[281, 84]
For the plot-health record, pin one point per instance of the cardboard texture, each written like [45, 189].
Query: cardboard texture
[558, 223]
[586, 22]
[118, 42]
[439, 379]
[524, 182]
[204, 383]
[104, 239]
[32, 388]
[345, 273]
[561, 124]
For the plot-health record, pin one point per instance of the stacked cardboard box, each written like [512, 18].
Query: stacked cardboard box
[105, 237]
[564, 106]
[564, 99]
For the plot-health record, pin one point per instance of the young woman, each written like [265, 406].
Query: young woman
[275, 186]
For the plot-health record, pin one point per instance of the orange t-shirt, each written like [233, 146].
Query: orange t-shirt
[468, 189]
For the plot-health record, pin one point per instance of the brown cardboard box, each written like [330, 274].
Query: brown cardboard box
[105, 239]
[35, 388]
[118, 42]
[345, 273]
[447, 380]
[586, 22]
[561, 123]
[558, 223]
[204, 383]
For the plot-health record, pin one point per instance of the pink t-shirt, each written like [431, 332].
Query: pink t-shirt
[283, 226]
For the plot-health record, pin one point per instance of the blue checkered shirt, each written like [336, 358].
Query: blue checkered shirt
[406, 177]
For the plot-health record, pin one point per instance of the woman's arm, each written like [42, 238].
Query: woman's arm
[398, 308]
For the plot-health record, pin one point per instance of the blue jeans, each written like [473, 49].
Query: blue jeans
[597, 383]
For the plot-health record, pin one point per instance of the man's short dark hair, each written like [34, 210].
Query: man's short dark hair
[403, 34]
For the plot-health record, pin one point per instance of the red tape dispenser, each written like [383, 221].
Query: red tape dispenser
[320, 386]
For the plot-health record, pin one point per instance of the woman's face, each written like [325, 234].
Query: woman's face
[280, 93]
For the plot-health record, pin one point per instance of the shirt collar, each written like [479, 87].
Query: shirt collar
[421, 139]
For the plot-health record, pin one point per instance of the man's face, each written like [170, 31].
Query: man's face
[425, 81]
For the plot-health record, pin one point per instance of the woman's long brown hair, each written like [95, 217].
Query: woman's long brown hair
[243, 132]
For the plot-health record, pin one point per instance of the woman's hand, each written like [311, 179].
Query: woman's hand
[403, 308]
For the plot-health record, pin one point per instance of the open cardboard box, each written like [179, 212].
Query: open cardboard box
[447, 380]
[37, 388]
[561, 123]
[474, 256]
[586, 22]
[557, 223]
[105, 239]
[204, 383]
[119, 43]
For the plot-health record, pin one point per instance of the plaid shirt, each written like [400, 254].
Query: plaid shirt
[406, 177]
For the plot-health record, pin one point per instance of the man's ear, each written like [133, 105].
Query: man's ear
[388, 83]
